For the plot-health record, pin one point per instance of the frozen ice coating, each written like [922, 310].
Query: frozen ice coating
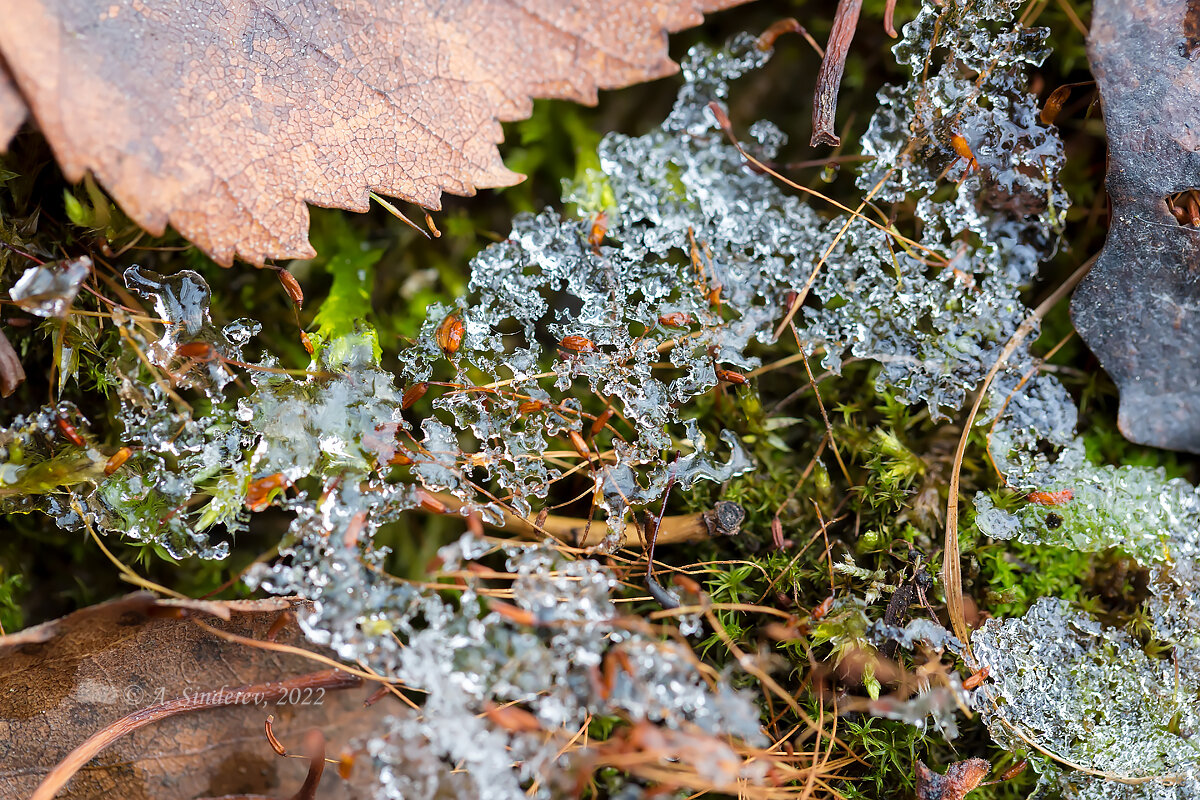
[1104, 705]
[552, 671]
[1094, 507]
[48, 290]
[933, 706]
[1056, 672]
[1083, 692]
[966, 118]
[644, 299]
[182, 302]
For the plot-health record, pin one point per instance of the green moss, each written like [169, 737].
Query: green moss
[11, 589]
[1012, 575]
[889, 749]
[342, 318]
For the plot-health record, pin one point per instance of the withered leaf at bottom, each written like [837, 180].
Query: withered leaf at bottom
[11, 371]
[64, 681]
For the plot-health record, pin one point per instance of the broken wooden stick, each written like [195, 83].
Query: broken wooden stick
[723, 519]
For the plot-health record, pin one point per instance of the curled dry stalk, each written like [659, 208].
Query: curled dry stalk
[279, 647]
[314, 751]
[951, 567]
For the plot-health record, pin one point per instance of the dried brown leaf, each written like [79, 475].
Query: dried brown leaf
[960, 778]
[63, 681]
[12, 108]
[1139, 310]
[11, 371]
[224, 120]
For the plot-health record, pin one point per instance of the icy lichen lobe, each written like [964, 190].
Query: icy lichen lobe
[1089, 693]
[280, 429]
[937, 311]
[1105, 705]
[552, 670]
[1134, 509]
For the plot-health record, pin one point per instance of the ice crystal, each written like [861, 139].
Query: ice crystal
[917, 631]
[49, 290]
[1091, 696]
[554, 670]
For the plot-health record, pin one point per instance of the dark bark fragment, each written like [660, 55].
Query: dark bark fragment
[1139, 309]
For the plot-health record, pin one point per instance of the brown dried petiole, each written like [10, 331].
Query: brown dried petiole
[829, 79]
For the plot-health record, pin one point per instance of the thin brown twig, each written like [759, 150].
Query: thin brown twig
[889, 19]
[820, 530]
[746, 663]
[812, 381]
[1073, 15]
[952, 566]
[766, 40]
[727, 128]
[674, 529]
[279, 647]
[828, 548]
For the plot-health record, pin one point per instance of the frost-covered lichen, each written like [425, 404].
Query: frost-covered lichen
[937, 310]
[188, 466]
[1089, 695]
[581, 659]
[1086, 693]
[594, 334]
[646, 311]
